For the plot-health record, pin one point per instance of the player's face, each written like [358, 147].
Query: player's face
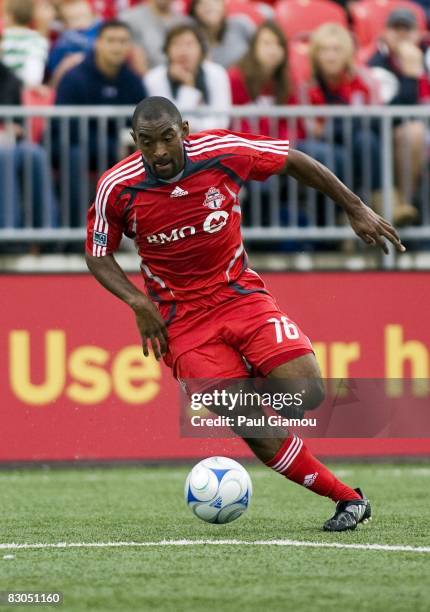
[161, 143]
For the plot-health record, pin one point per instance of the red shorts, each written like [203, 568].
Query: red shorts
[210, 337]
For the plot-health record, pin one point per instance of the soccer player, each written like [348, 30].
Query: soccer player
[204, 309]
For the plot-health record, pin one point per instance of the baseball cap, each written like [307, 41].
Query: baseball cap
[401, 18]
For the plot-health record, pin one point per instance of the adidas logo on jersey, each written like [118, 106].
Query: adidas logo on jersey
[178, 192]
[310, 479]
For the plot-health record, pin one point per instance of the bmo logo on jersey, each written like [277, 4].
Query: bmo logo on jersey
[213, 223]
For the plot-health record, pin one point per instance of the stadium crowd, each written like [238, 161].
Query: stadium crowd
[214, 53]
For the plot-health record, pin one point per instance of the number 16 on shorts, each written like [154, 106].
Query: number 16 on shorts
[284, 328]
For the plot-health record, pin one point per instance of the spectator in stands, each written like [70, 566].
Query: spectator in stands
[103, 78]
[44, 18]
[18, 157]
[189, 80]
[400, 61]
[337, 80]
[80, 31]
[25, 50]
[261, 77]
[149, 22]
[228, 37]
[399, 67]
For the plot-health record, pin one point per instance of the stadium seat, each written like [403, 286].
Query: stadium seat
[369, 17]
[38, 97]
[242, 7]
[298, 18]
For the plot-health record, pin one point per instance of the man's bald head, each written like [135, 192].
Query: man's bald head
[154, 108]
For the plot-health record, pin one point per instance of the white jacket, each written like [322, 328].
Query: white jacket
[219, 95]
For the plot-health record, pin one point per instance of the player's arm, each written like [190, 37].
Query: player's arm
[105, 227]
[149, 321]
[369, 226]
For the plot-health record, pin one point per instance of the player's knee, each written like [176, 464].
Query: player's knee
[313, 394]
[309, 395]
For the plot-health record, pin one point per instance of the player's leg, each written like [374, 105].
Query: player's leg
[295, 461]
[292, 458]
[219, 360]
[279, 350]
[217, 365]
[299, 375]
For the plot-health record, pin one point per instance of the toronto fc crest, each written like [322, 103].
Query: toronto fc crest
[213, 198]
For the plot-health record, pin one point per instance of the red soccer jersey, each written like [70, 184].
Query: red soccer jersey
[187, 232]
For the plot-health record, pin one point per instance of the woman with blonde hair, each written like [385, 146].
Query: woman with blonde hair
[332, 57]
[337, 80]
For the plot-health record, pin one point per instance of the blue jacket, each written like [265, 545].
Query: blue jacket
[86, 85]
[72, 41]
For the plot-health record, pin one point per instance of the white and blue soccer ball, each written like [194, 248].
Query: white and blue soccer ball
[218, 490]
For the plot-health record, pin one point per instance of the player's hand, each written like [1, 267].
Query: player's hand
[151, 327]
[374, 229]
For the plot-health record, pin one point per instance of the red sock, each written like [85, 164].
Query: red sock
[296, 463]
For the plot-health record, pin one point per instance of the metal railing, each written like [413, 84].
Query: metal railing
[51, 157]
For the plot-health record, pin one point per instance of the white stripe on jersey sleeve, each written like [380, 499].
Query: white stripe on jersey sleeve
[128, 171]
[263, 149]
[196, 141]
[100, 191]
[233, 139]
[108, 192]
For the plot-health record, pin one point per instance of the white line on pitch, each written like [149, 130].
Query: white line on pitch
[296, 543]
[173, 474]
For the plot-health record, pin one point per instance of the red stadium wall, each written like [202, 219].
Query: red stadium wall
[74, 384]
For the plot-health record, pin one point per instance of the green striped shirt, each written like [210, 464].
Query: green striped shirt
[25, 52]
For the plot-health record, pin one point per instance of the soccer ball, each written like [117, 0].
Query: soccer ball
[218, 490]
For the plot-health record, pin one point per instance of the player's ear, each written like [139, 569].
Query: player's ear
[133, 135]
[185, 129]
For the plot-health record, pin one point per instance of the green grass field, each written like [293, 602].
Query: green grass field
[129, 504]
